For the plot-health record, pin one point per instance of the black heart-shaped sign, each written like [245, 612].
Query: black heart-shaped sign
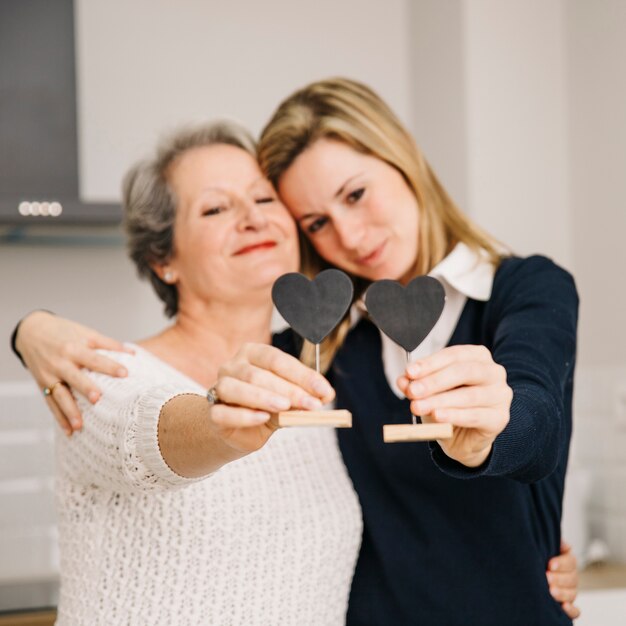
[406, 314]
[313, 307]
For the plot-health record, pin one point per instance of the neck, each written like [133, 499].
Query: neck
[205, 335]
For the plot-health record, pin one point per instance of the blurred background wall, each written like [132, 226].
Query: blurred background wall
[519, 105]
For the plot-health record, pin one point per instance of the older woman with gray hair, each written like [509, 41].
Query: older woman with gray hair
[267, 538]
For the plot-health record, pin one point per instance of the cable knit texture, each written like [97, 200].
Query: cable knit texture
[270, 539]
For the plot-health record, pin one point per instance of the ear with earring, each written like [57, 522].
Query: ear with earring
[168, 277]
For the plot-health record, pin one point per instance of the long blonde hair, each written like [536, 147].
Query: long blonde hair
[350, 112]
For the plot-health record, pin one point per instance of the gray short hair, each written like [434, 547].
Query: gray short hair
[150, 206]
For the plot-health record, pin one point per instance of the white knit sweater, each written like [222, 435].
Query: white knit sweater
[269, 539]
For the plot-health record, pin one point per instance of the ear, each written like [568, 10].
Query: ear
[165, 272]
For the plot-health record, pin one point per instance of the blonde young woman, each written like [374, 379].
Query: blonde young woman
[498, 366]
[368, 203]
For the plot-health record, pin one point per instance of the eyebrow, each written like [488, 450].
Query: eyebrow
[260, 179]
[341, 189]
[337, 194]
[254, 183]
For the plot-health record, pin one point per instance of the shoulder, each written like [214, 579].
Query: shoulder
[137, 358]
[144, 370]
[533, 274]
[148, 385]
[535, 265]
[135, 363]
[532, 291]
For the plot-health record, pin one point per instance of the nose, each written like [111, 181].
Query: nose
[253, 216]
[349, 229]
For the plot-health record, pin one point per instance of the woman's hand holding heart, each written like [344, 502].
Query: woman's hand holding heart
[463, 386]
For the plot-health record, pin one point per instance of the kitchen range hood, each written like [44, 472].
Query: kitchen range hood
[38, 127]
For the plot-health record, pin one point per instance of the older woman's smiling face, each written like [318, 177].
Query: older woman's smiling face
[232, 235]
[356, 209]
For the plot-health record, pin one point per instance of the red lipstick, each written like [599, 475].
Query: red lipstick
[262, 245]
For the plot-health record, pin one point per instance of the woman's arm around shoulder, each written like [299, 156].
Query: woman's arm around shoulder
[54, 350]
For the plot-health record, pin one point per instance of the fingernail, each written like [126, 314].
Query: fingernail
[422, 407]
[68, 432]
[278, 403]
[121, 372]
[554, 566]
[414, 369]
[311, 403]
[321, 388]
[259, 417]
[75, 424]
[93, 396]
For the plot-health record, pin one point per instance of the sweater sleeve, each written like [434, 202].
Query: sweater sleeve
[118, 447]
[532, 322]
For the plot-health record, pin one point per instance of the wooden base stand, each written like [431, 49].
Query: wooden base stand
[393, 433]
[337, 418]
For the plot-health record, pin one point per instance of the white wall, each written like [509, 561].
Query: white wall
[147, 65]
[596, 51]
[438, 90]
[87, 278]
[596, 47]
[517, 123]
[490, 112]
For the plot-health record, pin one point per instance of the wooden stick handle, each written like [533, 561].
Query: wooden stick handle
[339, 418]
[393, 433]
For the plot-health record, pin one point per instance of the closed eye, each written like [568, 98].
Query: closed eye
[265, 200]
[213, 210]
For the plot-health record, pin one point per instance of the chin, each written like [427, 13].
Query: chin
[290, 264]
[398, 270]
[270, 273]
[388, 274]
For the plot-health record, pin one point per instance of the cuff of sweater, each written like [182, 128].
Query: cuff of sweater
[454, 468]
[16, 330]
[519, 451]
[149, 410]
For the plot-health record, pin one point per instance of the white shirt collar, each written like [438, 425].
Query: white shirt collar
[464, 274]
[466, 271]
[463, 271]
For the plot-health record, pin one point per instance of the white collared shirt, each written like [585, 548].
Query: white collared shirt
[463, 274]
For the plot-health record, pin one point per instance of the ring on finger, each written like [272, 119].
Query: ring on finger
[212, 395]
[48, 391]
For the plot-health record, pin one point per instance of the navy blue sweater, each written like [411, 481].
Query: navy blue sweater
[445, 544]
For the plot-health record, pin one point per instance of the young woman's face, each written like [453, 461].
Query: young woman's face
[357, 211]
[232, 235]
